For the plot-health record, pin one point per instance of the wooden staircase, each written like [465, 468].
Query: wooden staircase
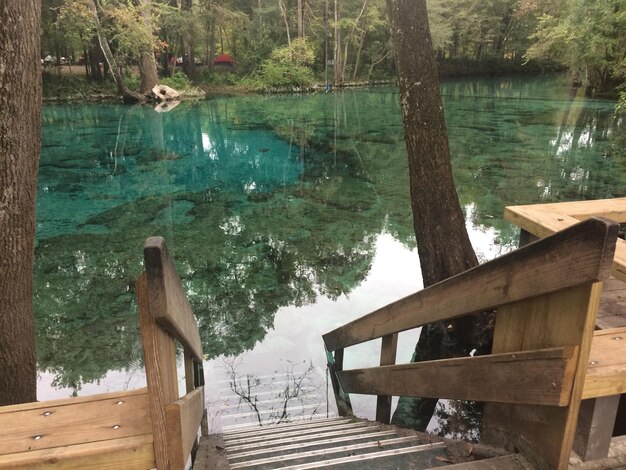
[344, 444]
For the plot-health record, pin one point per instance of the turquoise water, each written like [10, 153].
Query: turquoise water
[287, 215]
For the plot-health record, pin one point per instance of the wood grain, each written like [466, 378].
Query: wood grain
[127, 453]
[388, 349]
[542, 377]
[73, 422]
[544, 434]
[183, 422]
[168, 301]
[160, 359]
[576, 255]
[606, 370]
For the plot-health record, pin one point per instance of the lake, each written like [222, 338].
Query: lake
[287, 216]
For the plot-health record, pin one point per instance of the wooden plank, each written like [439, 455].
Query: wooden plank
[571, 257]
[168, 300]
[543, 220]
[606, 370]
[388, 349]
[542, 377]
[614, 209]
[127, 453]
[183, 422]
[37, 405]
[544, 434]
[66, 422]
[159, 352]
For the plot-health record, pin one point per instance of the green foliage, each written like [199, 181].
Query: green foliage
[179, 81]
[287, 67]
[585, 35]
[300, 53]
[56, 86]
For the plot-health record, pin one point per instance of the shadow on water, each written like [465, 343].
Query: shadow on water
[270, 202]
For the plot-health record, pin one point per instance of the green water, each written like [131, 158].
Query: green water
[287, 215]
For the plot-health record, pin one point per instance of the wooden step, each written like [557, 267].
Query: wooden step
[325, 453]
[379, 436]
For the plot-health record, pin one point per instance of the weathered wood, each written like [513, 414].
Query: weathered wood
[342, 399]
[388, 349]
[594, 428]
[606, 370]
[543, 434]
[542, 377]
[571, 257]
[135, 452]
[183, 422]
[168, 302]
[65, 422]
[160, 361]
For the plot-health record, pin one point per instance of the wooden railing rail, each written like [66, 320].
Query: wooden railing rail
[545, 296]
[534, 270]
[166, 316]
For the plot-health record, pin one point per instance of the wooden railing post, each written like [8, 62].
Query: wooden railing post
[160, 360]
[342, 399]
[544, 434]
[388, 350]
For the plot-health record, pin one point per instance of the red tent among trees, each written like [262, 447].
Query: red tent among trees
[224, 61]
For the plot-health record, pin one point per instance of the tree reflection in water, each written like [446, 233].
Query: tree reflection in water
[268, 202]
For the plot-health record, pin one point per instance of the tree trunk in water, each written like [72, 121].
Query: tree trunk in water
[147, 62]
[128, 95]
[337, 50]
[443, 245]
[20, 140]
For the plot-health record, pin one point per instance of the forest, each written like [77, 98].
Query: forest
[272, 44]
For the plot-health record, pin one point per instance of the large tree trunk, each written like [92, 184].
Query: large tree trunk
[443, 245]
[147, 62]
[128, 95]
[20, 140]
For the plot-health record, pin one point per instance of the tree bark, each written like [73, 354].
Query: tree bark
[147, 62]
[189, 61]
[443, 244]
[20, 140]
[337, 49]
[300, 19]
[283, 12]
[128, 95]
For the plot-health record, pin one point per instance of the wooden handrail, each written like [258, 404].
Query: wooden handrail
[545, 297]
[540, 377]
[581, 251]
[168, 302]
